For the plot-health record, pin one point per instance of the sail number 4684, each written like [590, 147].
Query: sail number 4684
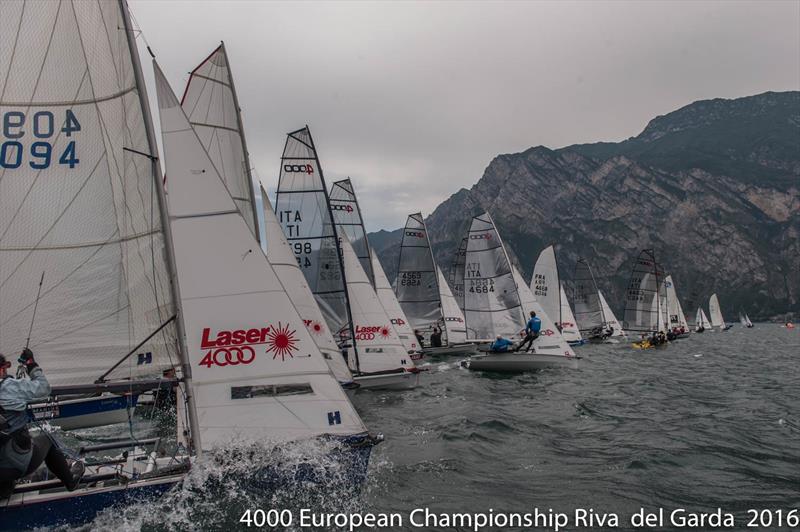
[39, 127]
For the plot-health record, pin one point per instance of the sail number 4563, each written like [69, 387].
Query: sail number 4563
[38, 127]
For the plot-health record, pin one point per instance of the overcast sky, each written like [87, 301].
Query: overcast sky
[412, 100]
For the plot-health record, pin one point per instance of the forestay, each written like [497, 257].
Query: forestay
[284, 262]
[588, 310]
[454, 327]
[377, 344]
[568, 326]
[257, 374]
[348, 219]
[301, 204]
[491, 300]
[417, 286]
[642, 308]
[456, 275]
[715, 311]
[79, 197]
[608, 314]
[550, 339]
[389, 302]
[211, 103]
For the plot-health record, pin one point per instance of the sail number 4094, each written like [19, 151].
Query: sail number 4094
[19, 129]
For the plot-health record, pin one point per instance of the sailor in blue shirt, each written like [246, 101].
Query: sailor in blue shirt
[20, 454]
[532, 329]
[501, 345]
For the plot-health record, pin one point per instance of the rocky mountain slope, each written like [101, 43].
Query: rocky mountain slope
[713, 187]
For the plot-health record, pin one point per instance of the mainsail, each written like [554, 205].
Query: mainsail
[347, 216]
[454, 327]
[256, 373]
[550, 339]
[284, 262]
[389, 302]
[568, 326]
[491, 301]
[417, 286]
[642, 298]
[702, 319]
[611, 320]
[379, 347]
[211, 103]
[546, 286]
[588, 310]
[79, 196]
[456, 275]
[301, 203]
[674, 309]
[715, 311]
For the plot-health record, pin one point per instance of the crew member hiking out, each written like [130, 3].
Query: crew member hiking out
[501, 345]
[20, 454]
[532, 329]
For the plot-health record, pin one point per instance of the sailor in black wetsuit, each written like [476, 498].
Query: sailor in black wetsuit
[20, 454]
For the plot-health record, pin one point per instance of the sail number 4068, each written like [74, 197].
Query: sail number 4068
[38, 127]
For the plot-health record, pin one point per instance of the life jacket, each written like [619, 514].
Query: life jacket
[11, 421]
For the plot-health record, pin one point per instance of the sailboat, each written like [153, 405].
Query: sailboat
[643, 299]
[589, 311]
[303, 209]
[347, 216]
[133, 269]
[676, 319]
[419, 288]
[549, 292]
[716, 314]
[701, 322]
[744, 320]
[611, 320]
[493, 306]
[456, 274]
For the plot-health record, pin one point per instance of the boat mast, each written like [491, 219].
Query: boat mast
[435, 274]
[194, 425]
[658, 292]
[247, 167]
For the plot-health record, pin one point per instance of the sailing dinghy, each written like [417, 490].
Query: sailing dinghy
[702, 323]
[456, 274]
[716, 314]
[493, 306]
[304, 212]
[676, 320]
[643, 315]
[549, 292]
[419, 288]
[589, 311]
[744, 320]
[614, 325]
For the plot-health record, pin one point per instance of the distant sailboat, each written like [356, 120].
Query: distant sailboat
[611, 320]
[701, 322]
[676, 318]
[716, 313]
[456, 274]
[744, 319]
[396, 315]
[588, 309]
[643, 299]
[549, 292]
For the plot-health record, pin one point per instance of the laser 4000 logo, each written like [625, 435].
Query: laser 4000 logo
[238, 347]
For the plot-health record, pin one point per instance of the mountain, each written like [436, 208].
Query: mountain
[712, 187]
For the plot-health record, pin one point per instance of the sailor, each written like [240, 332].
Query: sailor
[532, 329]
[436, 337]
[420, 338]
[20, 454]
[501, 345]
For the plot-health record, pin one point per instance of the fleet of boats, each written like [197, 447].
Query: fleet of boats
[158, 276]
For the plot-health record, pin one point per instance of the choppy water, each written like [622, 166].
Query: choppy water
[712, 421]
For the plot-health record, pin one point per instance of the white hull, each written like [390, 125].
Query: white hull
[451, 350]
[516, 362]
[388, 381]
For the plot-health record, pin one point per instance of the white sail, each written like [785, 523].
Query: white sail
[742, 321]
[211, 103]
[550, 339]
[643, 298]
[284, 262]
[378, 346]
[747, 320]
[546, 287]
[301, 204]
[347, 216]
[257, 374]
[78, 197]
[491, 301]
[674, 310]
[389, 302]
[715, 311]
[417, 286]
[456, 275]
[454, 327]
[588, 310]
[611, 320]
[702, 319]
[569, 328]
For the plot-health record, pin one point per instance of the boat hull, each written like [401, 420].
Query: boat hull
[451, 350]
[388, 381]
[576, 343]
[519, 362]
[71, 414]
